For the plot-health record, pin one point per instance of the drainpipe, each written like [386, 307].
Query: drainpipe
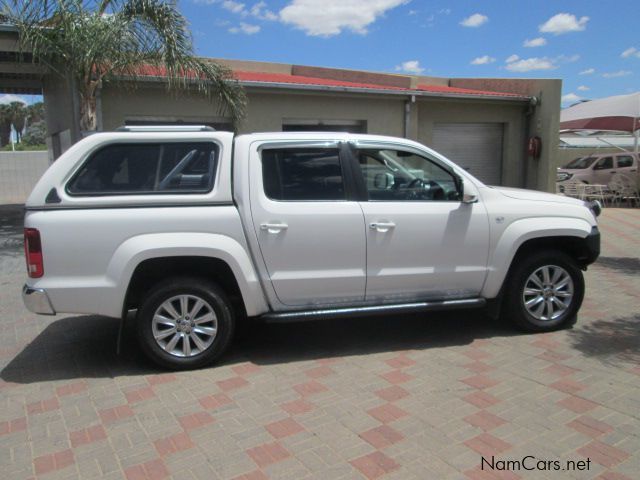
[531, 109]
[407, 114]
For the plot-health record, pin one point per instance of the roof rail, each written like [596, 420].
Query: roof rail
[165, 128]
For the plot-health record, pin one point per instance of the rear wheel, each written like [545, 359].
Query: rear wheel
[544, 292]
[185, 323]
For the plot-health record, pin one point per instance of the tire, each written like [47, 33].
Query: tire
[543, 297]
[190, 337]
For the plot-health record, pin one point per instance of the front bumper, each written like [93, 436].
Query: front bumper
[37, 301]
[592, 244]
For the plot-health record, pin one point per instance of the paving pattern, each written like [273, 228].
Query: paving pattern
[395, 398]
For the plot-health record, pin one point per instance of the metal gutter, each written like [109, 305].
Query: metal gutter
[345, 89]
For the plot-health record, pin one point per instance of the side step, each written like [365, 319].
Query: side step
[352, 312]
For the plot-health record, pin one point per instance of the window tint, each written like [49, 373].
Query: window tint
[625, 161]
[394, 175]
[302, 174]
[121, 169]
[604, 163]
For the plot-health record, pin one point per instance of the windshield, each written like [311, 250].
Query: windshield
[582, 162]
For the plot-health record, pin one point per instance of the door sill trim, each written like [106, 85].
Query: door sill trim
[351, 312]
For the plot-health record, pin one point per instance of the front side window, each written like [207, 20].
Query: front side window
[625, 161]
[604, 163]
[302, 174]
[139, 168]
[395, 175]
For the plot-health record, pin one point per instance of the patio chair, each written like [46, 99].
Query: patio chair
[573, 188]
[624, 189]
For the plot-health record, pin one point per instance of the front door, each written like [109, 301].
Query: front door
[603, 171]
[422, 241]
[310, 235]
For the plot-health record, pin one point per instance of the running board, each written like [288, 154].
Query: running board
[351, 312]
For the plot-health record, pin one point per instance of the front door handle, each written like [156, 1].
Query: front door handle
[273, 227]
[382, 226]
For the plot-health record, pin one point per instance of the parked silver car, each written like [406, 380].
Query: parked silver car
[599, 169]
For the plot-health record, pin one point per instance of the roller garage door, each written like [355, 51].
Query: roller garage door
[476, 147]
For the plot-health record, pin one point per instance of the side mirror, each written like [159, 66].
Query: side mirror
[383, 181]
[465, 197]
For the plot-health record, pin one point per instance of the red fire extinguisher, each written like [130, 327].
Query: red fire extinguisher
[534, 147]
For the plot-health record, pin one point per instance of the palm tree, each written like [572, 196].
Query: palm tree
[96, 41]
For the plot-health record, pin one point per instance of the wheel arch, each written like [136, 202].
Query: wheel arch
[142, 260]
[524, 236]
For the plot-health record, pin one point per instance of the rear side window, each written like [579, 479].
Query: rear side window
[625, 161]
[124, 169]
[302, 174]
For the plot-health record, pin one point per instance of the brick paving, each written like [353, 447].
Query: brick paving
[395, 398]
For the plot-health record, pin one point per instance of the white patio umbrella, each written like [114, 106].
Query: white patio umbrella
[619, 113]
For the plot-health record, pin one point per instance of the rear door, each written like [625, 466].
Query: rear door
[310, 232]
[626, 165]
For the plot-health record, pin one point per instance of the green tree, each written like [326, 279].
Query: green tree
[96, 41]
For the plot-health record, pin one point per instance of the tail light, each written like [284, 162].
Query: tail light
[33, 252]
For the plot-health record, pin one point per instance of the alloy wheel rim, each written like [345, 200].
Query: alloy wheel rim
[548, 293]
[184, 325]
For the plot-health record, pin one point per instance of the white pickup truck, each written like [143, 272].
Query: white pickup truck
[197, 230]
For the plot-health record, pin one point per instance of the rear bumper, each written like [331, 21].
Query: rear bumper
[37, 301]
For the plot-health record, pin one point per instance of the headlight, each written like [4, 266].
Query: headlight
[562, 176]
[594, 206]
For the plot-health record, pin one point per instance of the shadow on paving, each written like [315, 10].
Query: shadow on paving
[611, 341]
[627, 265]
[11, 229]
[84, 347]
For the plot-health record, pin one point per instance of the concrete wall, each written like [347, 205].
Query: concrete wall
[432, 111]
[19, 172]
[544, 122]
[266, 111]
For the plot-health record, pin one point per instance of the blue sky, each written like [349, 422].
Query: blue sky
[593, 46]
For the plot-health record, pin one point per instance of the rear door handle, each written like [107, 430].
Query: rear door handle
[273, 227]
[382, 226]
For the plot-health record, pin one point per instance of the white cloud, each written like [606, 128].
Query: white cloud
[630, 52]
[583, 88]
[10, 98]
[260, 10]
[410, 66]
[619, 73]
[588, 71]
[234, 7]
[245, 28]
[474, 20]
[564, 23]
[570, 98]
[331, 17]
[485, 59]
[535, 42]
[567, 58]
[513, 58]
[528, 64]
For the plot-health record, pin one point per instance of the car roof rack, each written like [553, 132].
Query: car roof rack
[165, 128]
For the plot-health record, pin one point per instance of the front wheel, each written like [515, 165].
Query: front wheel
[544, 292]
[185, 323]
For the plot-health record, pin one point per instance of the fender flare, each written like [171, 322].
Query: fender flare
[137, 249]
[516, 234]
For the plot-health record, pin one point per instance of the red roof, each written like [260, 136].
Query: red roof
[465, 91]
[265, 77]
[282, 78]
